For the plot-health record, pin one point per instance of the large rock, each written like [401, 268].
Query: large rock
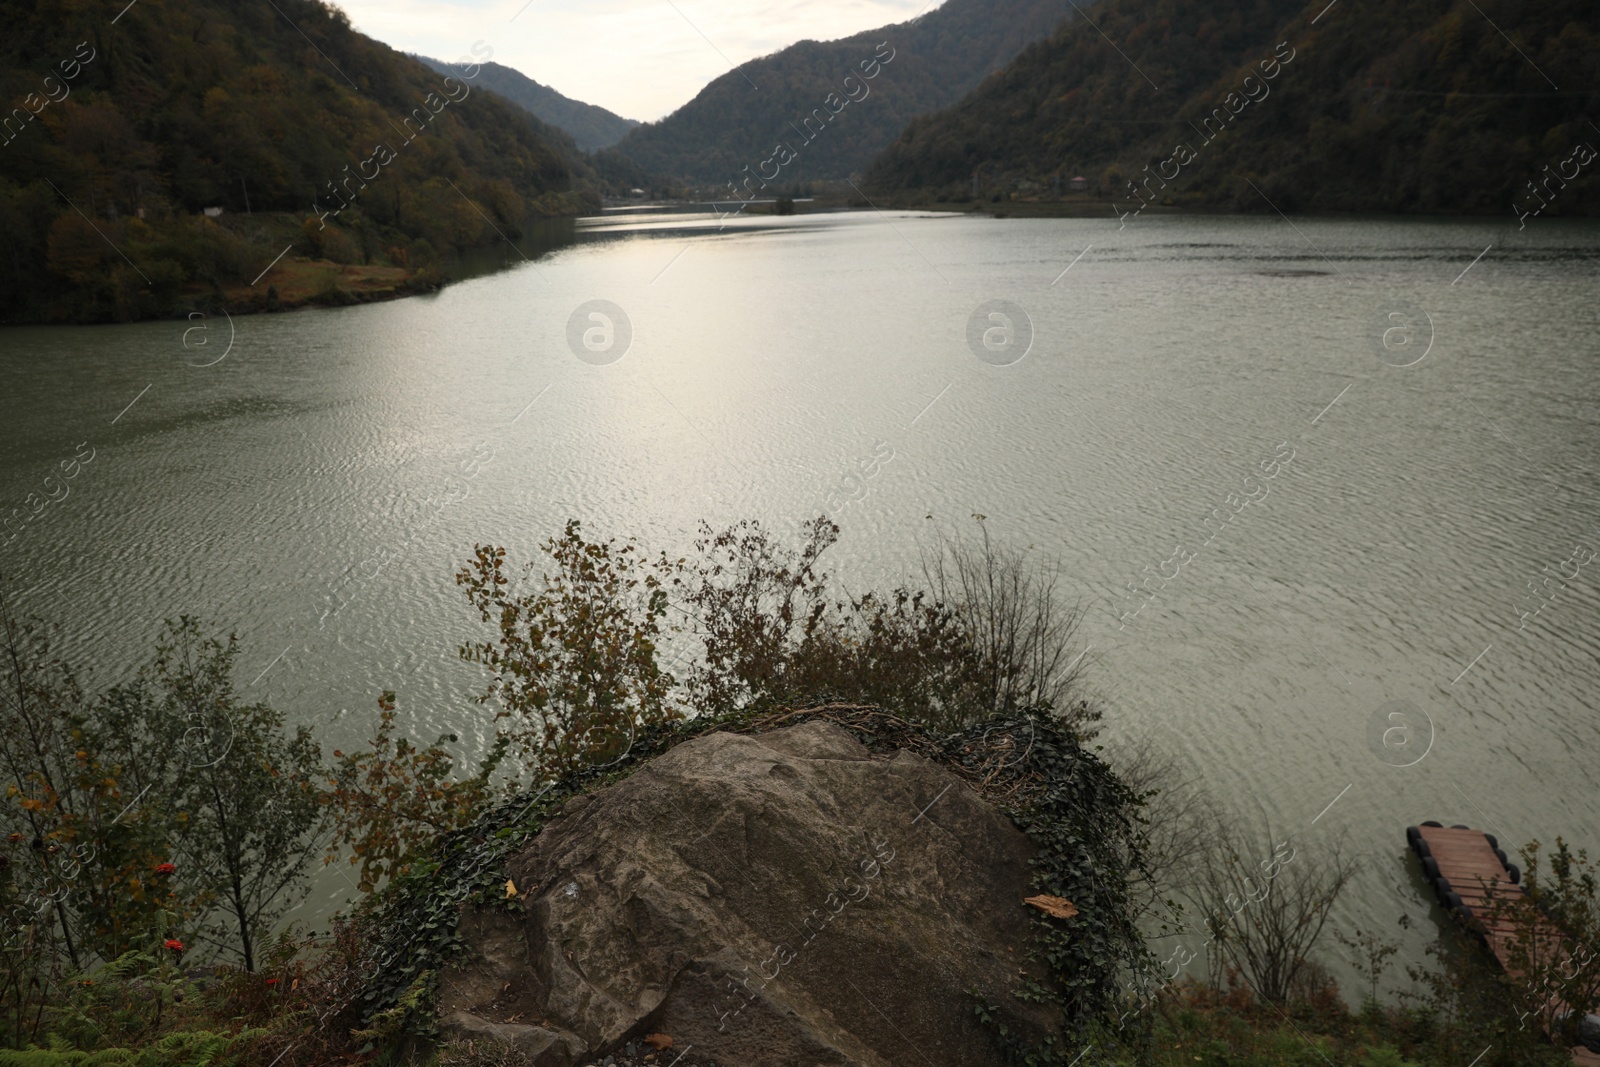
[1589, 1032]
[777, 900]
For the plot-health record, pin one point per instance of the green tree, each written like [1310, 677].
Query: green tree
[244, 795]
[77, 858]
[1551, 933]
[161, 802]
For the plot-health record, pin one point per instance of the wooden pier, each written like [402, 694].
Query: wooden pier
[1468, 873]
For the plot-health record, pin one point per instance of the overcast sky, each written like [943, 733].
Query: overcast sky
[641, 58]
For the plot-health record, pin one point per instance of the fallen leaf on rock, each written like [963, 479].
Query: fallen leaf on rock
[511, 889]
[659, 1042]
[1053, 906]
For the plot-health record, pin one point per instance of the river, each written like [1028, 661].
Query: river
[1389, 424]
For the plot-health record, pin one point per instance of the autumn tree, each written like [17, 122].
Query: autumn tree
[390, 798]
[243, 794]
[79, 858]
[573, 663]
[77, 252]
[160, 802]
[777, 630]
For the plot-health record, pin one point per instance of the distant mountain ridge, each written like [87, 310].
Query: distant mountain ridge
[938, 57]
[1367, 105]
[592, 127]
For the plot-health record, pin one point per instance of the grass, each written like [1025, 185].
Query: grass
[302, 281]
[1201, 1026]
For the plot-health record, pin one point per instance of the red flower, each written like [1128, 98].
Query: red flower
[165, 868]
[174, 944]
[272, 981]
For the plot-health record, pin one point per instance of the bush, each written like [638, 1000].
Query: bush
[164, 811]
[1551, 928]
[389, 800]
[1266, 912]
[575, 662]
[773, 635]
[987, 636]
[159, 810]
[1022, 635]
[573, 667]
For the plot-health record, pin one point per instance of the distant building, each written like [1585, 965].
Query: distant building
[213, 212]
[636, 193]
[1080, 184]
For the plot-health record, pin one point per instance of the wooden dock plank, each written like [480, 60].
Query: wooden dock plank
[1468, 862]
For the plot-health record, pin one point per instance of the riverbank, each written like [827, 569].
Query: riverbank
[306, 282]
[1067, 206]
[137, 269]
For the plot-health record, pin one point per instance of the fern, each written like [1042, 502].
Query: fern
[131, 964]
[199, 1048]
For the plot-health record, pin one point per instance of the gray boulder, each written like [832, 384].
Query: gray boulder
[1589, 1032]
[784, 900]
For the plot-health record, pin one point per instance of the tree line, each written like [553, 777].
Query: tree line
[190, 105]
[1398, 107]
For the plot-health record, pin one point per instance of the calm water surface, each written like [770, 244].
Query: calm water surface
[317, 487]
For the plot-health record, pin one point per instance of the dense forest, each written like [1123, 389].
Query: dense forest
[1392, 106]
[736, 120]
[592, 127]
[126, 133]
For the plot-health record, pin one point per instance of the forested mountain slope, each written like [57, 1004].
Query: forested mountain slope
[591, 126]
[123, 128]
[934, 59]
[1391, 105]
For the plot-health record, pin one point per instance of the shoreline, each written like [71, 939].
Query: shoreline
[303, 282]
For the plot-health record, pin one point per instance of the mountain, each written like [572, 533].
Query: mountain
[299, 138]
[916, 67]
[591, 127]
[1360, 105]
